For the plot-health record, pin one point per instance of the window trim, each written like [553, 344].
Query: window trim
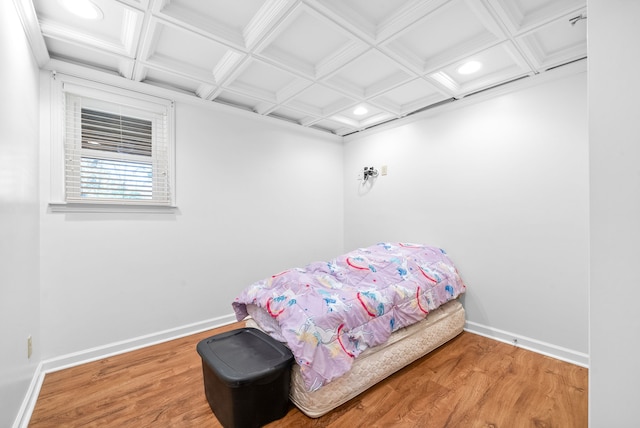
[88, 207]
[60, 85]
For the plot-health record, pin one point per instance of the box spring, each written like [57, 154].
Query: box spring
[375, 364]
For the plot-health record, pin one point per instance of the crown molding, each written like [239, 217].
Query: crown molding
[29, 19]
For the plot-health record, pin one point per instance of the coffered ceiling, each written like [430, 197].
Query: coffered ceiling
[313, 62]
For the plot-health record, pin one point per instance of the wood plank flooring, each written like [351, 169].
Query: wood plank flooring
[471, 381]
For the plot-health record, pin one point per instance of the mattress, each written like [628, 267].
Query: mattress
[374, 364]
[331, 311]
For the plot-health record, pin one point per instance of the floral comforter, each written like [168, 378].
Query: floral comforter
[329, 312]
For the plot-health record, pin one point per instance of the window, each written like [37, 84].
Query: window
[117, 148]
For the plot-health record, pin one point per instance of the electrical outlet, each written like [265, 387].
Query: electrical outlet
[29, 347]
[383, 170]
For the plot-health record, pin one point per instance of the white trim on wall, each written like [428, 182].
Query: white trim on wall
[128, 345]
[558, 352]
[105, 351]
[27, 14]
[30, 399]
[109, 350]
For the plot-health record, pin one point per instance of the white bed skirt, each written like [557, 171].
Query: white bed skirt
[375, 364]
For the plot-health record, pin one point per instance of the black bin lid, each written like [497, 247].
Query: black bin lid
[244, 355]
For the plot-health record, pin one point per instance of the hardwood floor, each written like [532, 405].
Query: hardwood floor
[471, 381]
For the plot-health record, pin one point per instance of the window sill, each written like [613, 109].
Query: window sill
[64, 207]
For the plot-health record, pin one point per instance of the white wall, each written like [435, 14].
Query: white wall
[19, 264]
[614, 144]
[255, 197]
[502, 185]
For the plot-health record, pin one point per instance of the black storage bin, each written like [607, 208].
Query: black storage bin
[246, 377]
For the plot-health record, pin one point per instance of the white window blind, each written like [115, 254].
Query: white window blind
[116, 150]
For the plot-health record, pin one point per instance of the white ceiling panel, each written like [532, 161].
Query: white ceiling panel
[310, 43]
[140, 4]
[556, 42]
[320, 101]
[369, 75]
[524, 15]
[500, 63]
[332, 126]
[116, 32]
[222, 19]
[89, 56]
[312, 62]
[166, 49]
[410, 97]
[373, 19]
[444, 35]
[371, 115]
[169, 80]
[290, 115]
[264, 81]
[234, 99]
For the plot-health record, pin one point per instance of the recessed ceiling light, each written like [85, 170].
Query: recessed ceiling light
[85, 9]
[469, 67]
[360, 110]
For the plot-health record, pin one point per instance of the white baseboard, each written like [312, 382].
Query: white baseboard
[104, 351]
[558, 352]
[93, 354]
[30, 398]
[99, 352]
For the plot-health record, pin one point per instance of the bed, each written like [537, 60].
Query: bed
[356, 319]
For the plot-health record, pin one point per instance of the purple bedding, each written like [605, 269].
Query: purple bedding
[329, 312]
